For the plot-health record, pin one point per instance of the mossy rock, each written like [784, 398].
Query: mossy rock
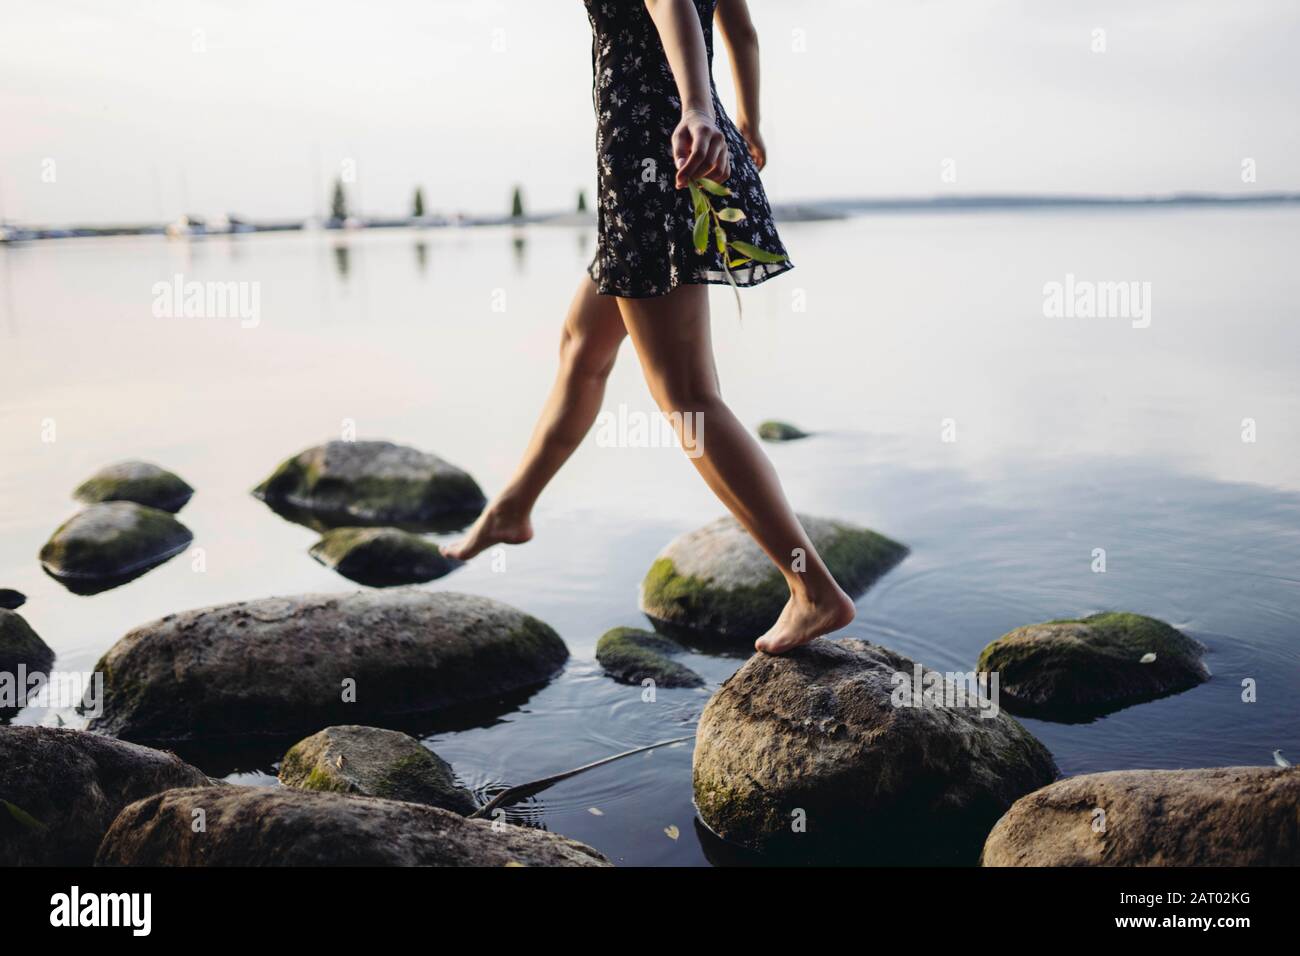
[1218, 816]
[1078, 669]
[19, 646]
[11, 600]
[274, 669]
[60, 789]
[772, 430]
[716, 581]
[345, 483]
[281, 826]
[374, 762]
[829, 736]
[138, 481]
[631, 656]
[381, 557]
[111, 542]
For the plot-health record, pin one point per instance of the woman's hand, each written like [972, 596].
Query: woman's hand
[754, 140]
[700, 149]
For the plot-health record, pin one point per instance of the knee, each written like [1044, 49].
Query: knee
[588, 356]
[684, 395]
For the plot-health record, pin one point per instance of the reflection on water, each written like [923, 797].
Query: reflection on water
[1070, 436]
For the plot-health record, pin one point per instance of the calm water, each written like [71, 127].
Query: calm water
[1071, 435]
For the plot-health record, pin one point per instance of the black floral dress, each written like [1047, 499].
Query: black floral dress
[645, 244]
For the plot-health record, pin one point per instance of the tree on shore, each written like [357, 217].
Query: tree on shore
[517, 204]
[339, 202]
[417, 205]
[582, 200]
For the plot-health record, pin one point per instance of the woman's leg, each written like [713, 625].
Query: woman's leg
[672, 338]
[593, 331]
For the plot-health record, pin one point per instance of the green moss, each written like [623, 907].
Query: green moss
[150, 538]
[149, 485]
[631, 656]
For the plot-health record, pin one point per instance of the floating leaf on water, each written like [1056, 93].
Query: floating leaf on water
[1280, 760]
[672, 831]
[596, 811]
[1148, 658]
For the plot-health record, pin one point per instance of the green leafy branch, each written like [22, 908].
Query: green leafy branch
[709, 219]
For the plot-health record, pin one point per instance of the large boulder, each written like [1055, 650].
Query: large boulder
[631, 656]
[372, 483]
[838, 753]
[106, 544]
[20, 647]
[381, 557]
[138, 481]
[374, 762]
[262, 826]
[60, 789]
[282, 666]
[716, 580]
[1223, 816]
[1075, 670]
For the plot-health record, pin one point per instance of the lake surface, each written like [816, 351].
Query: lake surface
[894, 333]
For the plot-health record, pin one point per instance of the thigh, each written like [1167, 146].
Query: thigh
[594, 318]
[672, 338]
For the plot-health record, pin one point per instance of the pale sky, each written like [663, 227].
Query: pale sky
[132, 110]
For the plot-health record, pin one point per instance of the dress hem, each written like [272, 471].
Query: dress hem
[704, 277]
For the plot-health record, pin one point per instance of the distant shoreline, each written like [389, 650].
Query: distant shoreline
[809, 211]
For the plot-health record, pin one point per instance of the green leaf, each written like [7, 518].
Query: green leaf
[24, 818]
[701, 233]
[697, 197]
[731, 215]
[722, 240]
[738, 262]
[755, 253]
[709, 186]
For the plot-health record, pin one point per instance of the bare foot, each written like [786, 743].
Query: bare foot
[802, 620]
[498, 524]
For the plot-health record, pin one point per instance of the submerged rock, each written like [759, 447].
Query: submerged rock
[381, 557]
[374, 762]
[138, 481]
[263, 826]
[1223, 816]
[109, 543]
[20, 646]
[824, 755]
[779, 431]
[60, 790]
[717, 581]
[372, 483]
[1079, 669]
[11, 600]
[281, 666]
[631, 656]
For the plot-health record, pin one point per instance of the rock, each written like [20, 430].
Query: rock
[1080, 669]
[60, 790]
[374, 763]
[821, 737]
[11, 600]
[631, 656]
[1223, 816]
[373, 483]
[717, 581]
[779, 431]
[112, 542]
[265, 826]
[138, 481]
[20, 647]
[381, 557]
[278, 667]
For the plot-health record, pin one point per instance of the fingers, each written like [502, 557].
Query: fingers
[708, 157]
[694, 166]
[719, 169]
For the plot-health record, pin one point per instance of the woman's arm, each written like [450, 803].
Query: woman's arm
[742, 46]
[699, 148]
